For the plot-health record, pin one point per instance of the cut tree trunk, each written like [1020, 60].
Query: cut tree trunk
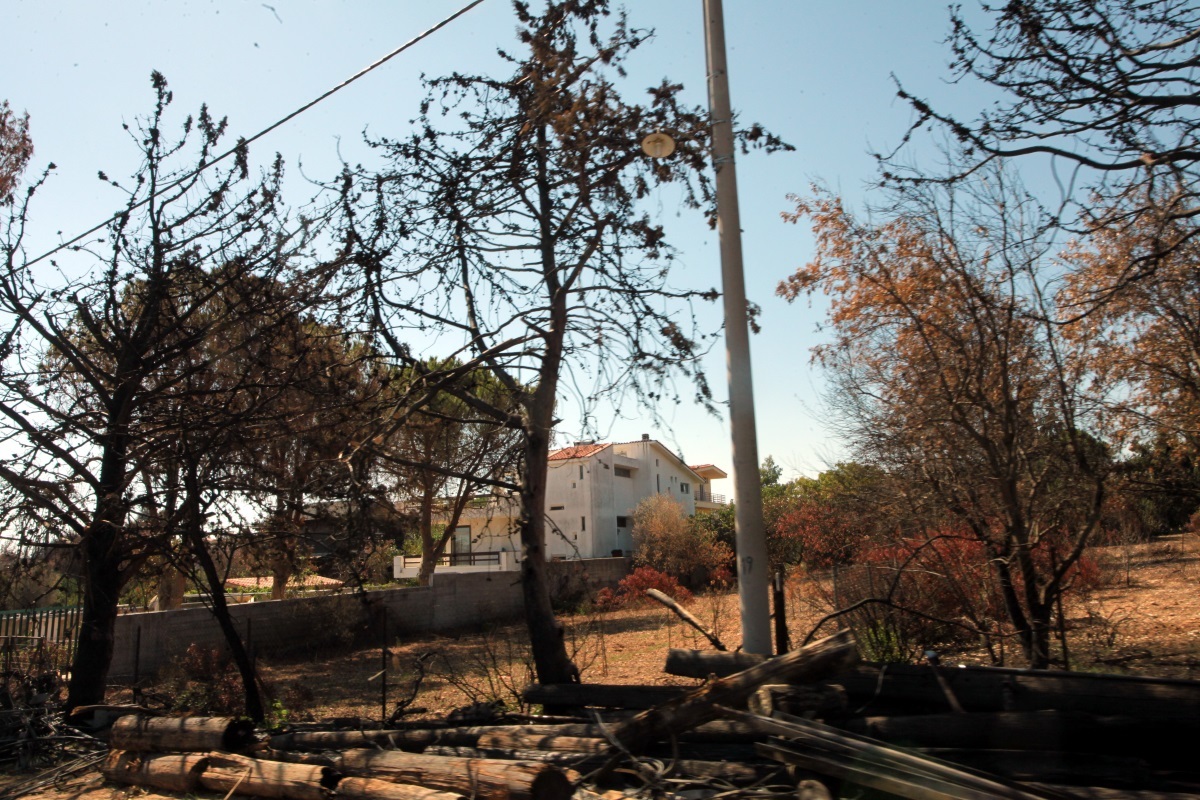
[470, 776]
[1048, 731]
[136, 732]
[505, 740]
[1005, 689]
[229, 773]
[732, 771]
[600, 695]
[817, 660]
[172, 772]
[375, 789]
[702, 663]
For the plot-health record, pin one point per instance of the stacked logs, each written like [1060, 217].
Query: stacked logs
[439, 763]
[905, 729]
[212, 754]
[809, 723]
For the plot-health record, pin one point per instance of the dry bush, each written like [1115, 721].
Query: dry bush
[665, 540]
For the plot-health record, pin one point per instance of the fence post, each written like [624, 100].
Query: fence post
[779, 600]
[383, 666]
[137, 656]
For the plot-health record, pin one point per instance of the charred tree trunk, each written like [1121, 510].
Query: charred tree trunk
[430, 552]
[101, 588]
[218, 604]
[103, 557]
[550, 657]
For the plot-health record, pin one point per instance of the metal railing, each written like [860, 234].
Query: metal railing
[474, 559]
[38, 640]
[710, 497]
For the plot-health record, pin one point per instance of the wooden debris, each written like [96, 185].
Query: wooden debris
[817, 660]
[686, 616]
[734, 772]
[493, 778]
[1047, 731]
[504, 740]
[173, 772]
[375, 789]
[876, 765]
[198, 734]
[230, 773]
[1003, 689]
[601, 695]
[703, 663]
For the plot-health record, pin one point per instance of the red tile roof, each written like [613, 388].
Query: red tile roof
[578, 451]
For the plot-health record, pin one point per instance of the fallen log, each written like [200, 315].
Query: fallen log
[876, 765]
[703, 663]
[734, 772]
[1050, 767]
[469, 776]
[515, 740]
[601, 695]
[1049, 731]
[817, 660]
[235, 774]
[909, 687]
[820, 700]
[417, 740]
[414, 740]
[357, 788]
[1102, 793]
[199, 734]
[172, 772]
[686, 616]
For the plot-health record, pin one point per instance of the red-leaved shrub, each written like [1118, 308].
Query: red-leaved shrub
[631, 591]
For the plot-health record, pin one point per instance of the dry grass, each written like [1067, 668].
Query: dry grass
[1144, 620]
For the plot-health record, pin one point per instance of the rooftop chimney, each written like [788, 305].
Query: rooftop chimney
[645, 437]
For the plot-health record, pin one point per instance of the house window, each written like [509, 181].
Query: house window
[685, 488]
[623, 472]
[622, 522]
[557, 508]
[581, 472]
[658, 483]
[583, 523]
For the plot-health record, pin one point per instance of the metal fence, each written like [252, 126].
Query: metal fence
[37, 641]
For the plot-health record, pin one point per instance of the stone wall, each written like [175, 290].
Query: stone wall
[147, 642]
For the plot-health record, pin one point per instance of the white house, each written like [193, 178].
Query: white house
[591, 492]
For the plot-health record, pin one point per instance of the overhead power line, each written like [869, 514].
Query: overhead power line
[370, 67]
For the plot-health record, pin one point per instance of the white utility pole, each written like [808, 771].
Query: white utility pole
[751, 534]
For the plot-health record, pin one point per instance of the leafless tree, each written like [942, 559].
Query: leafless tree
[91, 361]
[510, 224]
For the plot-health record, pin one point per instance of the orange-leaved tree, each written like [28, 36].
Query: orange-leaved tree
[16, 148]
[1141, 330]
[948, 370]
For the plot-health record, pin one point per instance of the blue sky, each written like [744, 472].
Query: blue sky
[817, 73]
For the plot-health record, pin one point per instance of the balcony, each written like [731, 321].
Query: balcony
[481, 561]
[706, 496]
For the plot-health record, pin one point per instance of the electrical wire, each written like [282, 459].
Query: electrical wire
[370, 67]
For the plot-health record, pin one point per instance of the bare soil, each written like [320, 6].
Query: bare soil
[1145, 619]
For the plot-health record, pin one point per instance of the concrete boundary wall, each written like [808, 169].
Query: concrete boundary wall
[147, 642]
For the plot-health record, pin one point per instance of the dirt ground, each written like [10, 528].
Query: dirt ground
[1144, 620]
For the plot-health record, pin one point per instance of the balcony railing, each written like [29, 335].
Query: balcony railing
[480, 559]
[705, 496]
